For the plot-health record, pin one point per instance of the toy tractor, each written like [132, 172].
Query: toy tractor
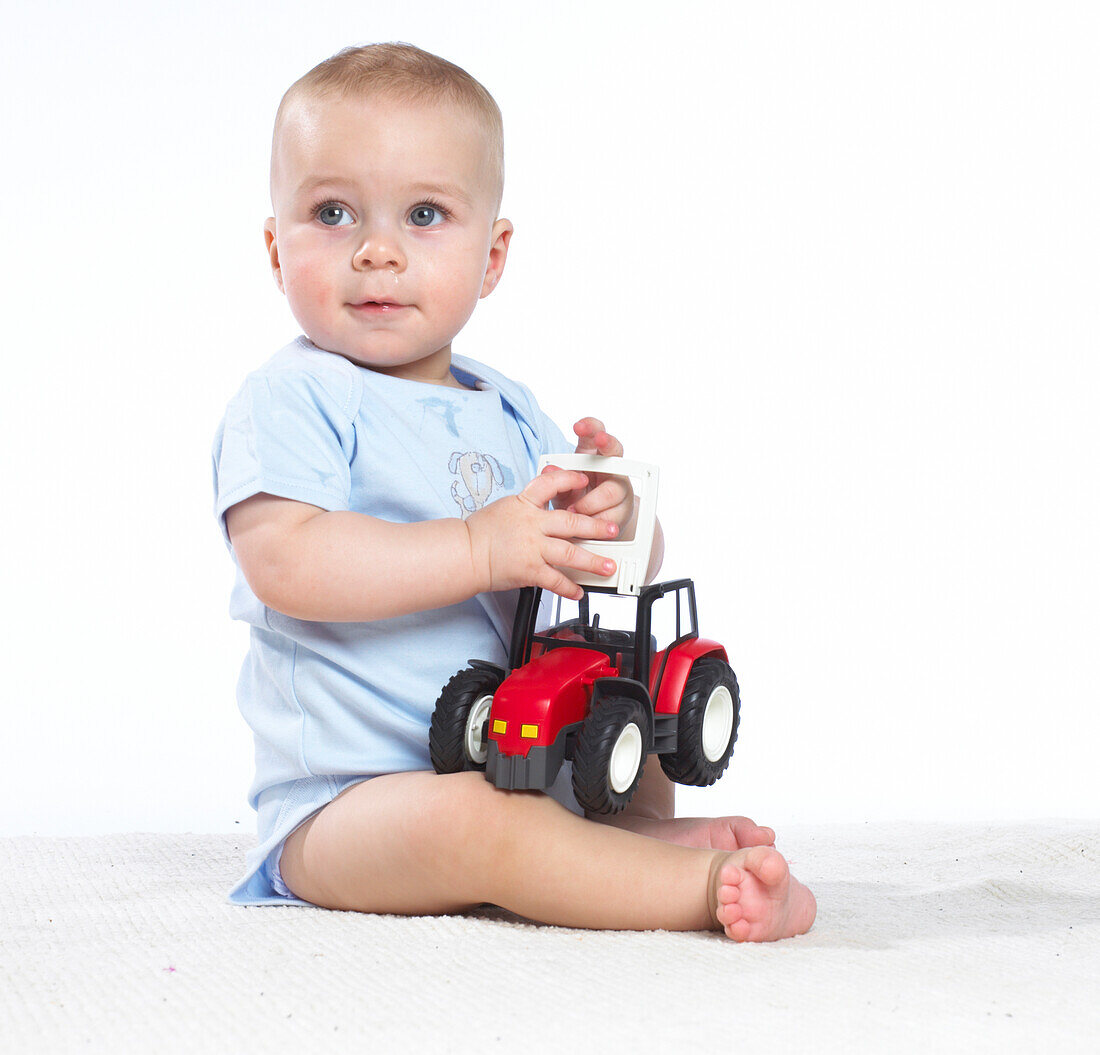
[603, 697]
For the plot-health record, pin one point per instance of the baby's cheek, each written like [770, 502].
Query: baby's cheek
[307, 283]
[309, 294]
[456, 283]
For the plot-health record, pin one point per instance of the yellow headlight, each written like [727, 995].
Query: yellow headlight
[529, 732]
[499, 726]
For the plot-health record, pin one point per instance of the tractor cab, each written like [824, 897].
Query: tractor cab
[635, 633]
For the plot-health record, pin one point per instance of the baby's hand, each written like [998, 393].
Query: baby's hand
[608, 497]
[516, 541]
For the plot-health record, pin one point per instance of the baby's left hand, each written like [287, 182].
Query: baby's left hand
[607, 497]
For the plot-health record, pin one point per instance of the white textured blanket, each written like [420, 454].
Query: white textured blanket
[929, 938]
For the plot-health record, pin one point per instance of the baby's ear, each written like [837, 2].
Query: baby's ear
[498, 254]
[273, 251]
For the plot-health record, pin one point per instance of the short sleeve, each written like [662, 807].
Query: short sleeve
[288, 434]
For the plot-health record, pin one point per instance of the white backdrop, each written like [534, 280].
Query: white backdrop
[833, 266]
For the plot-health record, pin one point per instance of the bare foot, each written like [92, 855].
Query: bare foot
[708, 833]
[754, 897]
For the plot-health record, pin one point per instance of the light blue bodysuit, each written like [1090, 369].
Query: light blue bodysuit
[332, 704]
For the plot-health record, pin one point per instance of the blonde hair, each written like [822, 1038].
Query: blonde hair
[404, 73]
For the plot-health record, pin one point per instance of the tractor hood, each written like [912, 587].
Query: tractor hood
[539, 699]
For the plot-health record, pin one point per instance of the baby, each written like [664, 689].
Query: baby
[376, 493]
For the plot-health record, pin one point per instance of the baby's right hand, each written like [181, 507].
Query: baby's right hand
[516, 541]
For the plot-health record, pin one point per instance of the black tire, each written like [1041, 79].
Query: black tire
[604, 776]
[697, 761]
[451, 735]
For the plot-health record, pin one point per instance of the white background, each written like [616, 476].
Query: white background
[832, 266]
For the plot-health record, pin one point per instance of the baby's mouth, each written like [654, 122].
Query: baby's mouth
[378, 307]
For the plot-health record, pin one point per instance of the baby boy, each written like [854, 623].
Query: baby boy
[378, 494]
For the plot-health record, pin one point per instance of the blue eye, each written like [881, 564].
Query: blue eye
[334, 216]
[425, 216]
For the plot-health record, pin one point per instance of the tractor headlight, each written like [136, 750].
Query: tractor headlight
[529, 732]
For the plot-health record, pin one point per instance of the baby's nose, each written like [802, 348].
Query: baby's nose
[380, 249]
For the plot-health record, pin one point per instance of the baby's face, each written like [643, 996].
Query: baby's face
[384, 235]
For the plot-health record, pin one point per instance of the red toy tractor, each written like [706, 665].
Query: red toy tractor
[604, 698]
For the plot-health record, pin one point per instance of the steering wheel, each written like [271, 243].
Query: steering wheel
[612, 637]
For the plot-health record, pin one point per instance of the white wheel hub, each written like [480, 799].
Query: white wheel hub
[476, 749]
[626, 757]
[717, 723]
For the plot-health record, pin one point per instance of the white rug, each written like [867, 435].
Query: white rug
[929, 938]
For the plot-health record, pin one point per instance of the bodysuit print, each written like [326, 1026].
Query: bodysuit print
[445, 409]
[477, 475]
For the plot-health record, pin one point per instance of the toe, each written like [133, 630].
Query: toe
[739, 930]
[768, 866]
[747, 832]
[730, 875]
[729, 914]
[728, 895]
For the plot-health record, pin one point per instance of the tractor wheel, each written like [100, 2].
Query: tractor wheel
[710, 710]
[457, 740]
[610, 753]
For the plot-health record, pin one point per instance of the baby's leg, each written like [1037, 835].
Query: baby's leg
[419, 843]
[652, 812]
[710, 833]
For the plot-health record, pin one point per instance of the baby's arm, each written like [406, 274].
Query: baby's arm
[348, 567]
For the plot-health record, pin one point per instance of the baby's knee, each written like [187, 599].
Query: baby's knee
[456, 812]
[472, 802]
[478, 813]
